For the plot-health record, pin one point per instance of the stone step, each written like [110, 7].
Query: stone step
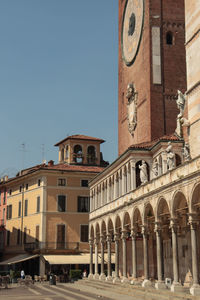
[150, 293]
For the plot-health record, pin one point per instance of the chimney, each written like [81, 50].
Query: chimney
[50, 163]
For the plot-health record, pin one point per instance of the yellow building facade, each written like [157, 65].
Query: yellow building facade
[47, 210]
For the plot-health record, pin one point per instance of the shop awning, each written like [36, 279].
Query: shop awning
[81, 259]
[18, 259]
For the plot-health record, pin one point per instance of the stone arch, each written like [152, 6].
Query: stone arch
[118, 224]
[162, 208]
[149, 216]
[137, 219]
[179, 203]
[97, 230]
[195, 199]
[91, 235]
[126, 221]
[103, 228]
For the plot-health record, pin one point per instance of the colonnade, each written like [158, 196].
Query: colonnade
[150, 225]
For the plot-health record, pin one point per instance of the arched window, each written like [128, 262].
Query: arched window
[67, 152]
[91, 155]
[169, 38]
[78, 155]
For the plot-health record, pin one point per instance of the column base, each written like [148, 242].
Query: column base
[135, 282]
[96, 276]
[109, 278]
[102, 277]
[195, 290]
[146, 283]
[116, 280]
[125, 280]
[176, 287]
[90, 276]
[160, 285]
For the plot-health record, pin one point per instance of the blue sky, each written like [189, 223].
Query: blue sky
[58, 75]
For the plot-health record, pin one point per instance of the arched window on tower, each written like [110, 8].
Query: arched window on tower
[91, 155]
[62, 154]
[169, 38]
[67, 152]
[78, 154]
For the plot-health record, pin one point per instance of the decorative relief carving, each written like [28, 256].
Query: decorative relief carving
[131, 96]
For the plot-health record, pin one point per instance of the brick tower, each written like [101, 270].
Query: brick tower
[151, 69]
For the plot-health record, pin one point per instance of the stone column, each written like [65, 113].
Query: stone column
[134, 257]
[109, 277]
[115, 187]
[108, 191]
[195, 289]
[120, 186]
[160, 283]
[124, 256]
[128, 179]
[116, 279]
[133, 176]
[102, 276]
[91, 276]
[146, 281]
[176, 286]
[96, 274]
[91, 201]
[123, 182]
[101, 194]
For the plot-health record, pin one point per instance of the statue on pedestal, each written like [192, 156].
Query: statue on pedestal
[170, 157]
[180, 120]
[143, 172]
[186, 152]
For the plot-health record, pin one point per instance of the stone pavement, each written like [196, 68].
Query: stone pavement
[91, 290]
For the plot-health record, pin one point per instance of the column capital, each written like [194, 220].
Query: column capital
[108, 238]
[102, 239]
[91, 241]
[124, 235]
[173, 224]
[133, 232]
[96, 241]
[157, 227]
[193, 220]
[117, 237]
[144, 230]
[133, 163]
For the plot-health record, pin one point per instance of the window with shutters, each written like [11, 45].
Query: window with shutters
[83, 204]
[9, 212]
[60, 236]
[26, 208]
[38, 204]
[84, 233]
[61, 181]
[19, 208]
[25, 235]
[61, 203]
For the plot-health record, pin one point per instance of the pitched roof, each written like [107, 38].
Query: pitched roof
[75, 168]
[80, 137]
[149, 145]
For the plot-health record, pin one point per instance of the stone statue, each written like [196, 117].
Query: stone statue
[180, 120]
[131, 96]
[143, 172]
[155, 168]
[186, 152]
[170, 157]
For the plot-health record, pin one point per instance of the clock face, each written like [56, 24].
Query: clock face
[132, 27]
